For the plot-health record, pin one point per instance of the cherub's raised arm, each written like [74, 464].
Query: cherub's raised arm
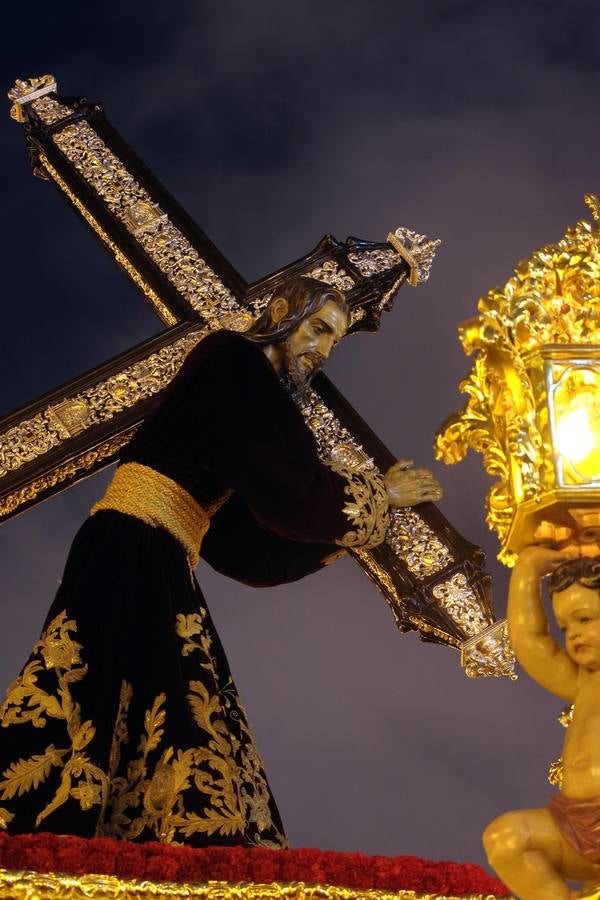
[537, 651]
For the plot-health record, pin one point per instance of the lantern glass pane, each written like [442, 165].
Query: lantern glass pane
[576, 423]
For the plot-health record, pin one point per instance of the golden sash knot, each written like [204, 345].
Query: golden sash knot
[140, 491]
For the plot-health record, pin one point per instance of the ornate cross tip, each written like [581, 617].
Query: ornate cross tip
[489, 653]
[26, 91]
[417, 250]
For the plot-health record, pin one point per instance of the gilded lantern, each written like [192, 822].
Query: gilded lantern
[534, 395]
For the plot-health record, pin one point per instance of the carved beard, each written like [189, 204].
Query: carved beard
[297, 375]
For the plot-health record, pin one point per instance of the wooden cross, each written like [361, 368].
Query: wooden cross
[431, 577]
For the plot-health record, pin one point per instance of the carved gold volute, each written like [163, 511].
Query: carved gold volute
[534, 394]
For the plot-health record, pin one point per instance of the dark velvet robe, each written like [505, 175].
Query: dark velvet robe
[125, 720]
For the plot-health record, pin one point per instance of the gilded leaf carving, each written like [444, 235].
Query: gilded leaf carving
[553, 298]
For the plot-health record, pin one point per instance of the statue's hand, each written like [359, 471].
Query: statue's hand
[408, 487]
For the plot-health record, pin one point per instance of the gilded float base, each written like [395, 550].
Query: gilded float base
[559, 517]
[37, 886]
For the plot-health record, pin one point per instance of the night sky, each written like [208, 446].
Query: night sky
[274, 123]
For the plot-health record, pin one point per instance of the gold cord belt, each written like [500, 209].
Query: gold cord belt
[159, 501]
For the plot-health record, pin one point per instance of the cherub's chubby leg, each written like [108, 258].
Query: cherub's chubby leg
[530, 855]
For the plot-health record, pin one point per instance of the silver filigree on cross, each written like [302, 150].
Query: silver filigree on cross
[489, 653]
[417, 250]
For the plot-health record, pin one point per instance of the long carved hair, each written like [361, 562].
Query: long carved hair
[585, 570]
[304, 296]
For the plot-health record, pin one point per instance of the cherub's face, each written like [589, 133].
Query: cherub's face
[577, 611]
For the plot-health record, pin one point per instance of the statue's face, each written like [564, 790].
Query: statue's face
[577, 611]
[307, 348]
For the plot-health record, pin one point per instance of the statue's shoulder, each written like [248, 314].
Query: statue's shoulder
[227, 350]
[231, 340]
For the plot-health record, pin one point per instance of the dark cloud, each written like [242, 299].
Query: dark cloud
[275, 123]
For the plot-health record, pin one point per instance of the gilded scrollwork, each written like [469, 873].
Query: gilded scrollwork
[161, 308]
[553, 298]
[485, 649]
[138, 381]
[555, 769]
[408, 534]
[26, 441]
[373, 262]
[332, 273]
[489, 652]
[415, 542]
[29, 885]
[417, 250]
[34, 437]
[457, 598]
[77, 465]
[129, 202]
[328, 271]
[50, 110]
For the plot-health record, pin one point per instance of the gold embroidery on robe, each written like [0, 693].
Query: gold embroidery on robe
[149, 793]
[26, 701]
[152, 796]
[368, 506]
[252, 787]
[156, 793]
[189, 626]
[5, 818]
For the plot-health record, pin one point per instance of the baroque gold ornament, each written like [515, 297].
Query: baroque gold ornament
[534, 395]
[39, 886]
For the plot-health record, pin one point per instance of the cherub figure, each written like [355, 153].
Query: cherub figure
[537, 851]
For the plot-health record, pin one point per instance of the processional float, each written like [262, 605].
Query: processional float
[433, 579]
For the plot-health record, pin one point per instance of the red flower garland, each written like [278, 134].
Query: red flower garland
[160, 862]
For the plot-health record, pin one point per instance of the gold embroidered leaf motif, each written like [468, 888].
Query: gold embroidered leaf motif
[26, 774]
[153, 720]
[121, 732]
[367, 507]
[211, 822]
[6, 818]
[187, 626]
[224, 791]
[27, 702]
[204, 706]
[61, 796]
[83, 735]
[93, 790]
[56, 646]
